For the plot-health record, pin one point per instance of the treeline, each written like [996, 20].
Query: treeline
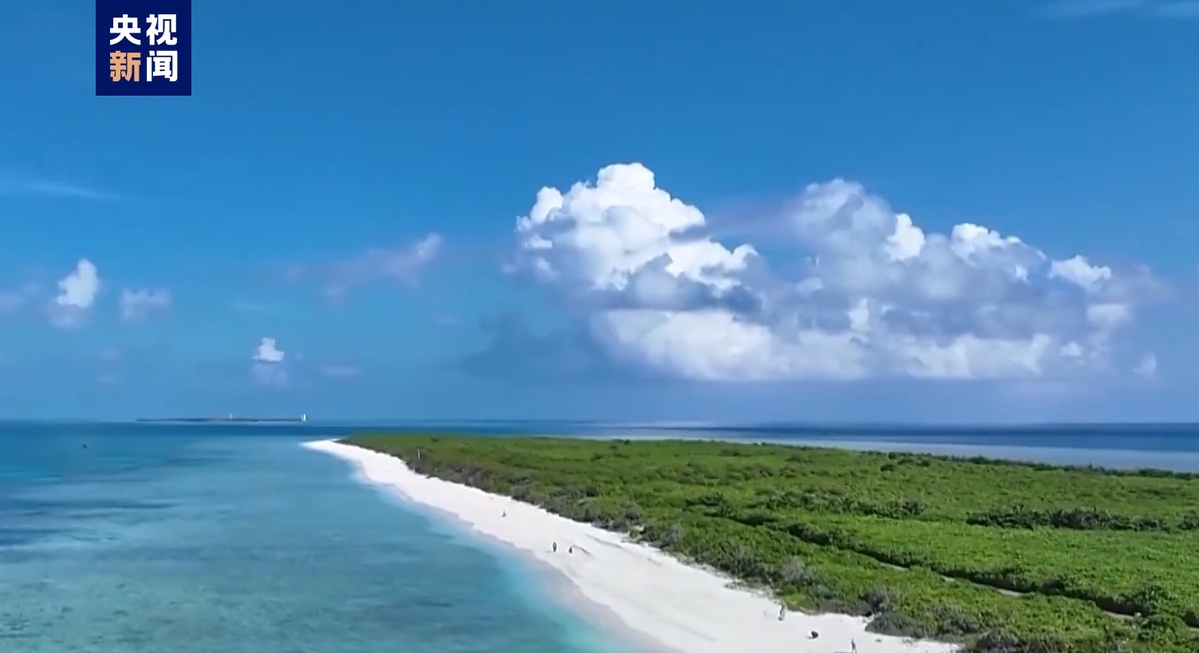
[574, 501]
[1081, 519]
[925, 459]
[1020, 516]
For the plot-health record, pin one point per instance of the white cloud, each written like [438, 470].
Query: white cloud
[79, 288]
[76, 295]
[401, 264]
[139, 305]
[878, 295]
[268, 352]
[268, 364]
[1079, 271]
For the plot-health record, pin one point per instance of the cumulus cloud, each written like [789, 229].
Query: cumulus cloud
[139, 305]
[268, 364]
[403, 264]
[77, 293]
[268, 352]
[877, 297]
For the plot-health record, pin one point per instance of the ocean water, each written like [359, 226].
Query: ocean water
[194, 539]
[240, 541]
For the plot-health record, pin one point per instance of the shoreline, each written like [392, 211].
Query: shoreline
[668, 605]
[557, 586]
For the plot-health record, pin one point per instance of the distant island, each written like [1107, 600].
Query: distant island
[226, 419]
[1000, 556]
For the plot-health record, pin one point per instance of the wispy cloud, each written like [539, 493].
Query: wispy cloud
[139, 305]
[1182, 9]
[247, 306]
[340, 371]
[58, 189]
[1147, 367]
[13, 301]
[1063, 9]
[1086, 8]
[403, 264]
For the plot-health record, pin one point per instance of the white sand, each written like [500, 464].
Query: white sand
[681, 607]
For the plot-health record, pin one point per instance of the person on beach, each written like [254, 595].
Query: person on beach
[505, 514]
[570, 549]
[555, 547]
[782, 611]
[853, 646]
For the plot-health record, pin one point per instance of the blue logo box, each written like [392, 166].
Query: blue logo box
[143, 47]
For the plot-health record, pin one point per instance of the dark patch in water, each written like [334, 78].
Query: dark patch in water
[19, 507]
[21, 536]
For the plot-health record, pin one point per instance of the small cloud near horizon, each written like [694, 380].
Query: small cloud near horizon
[268, 364]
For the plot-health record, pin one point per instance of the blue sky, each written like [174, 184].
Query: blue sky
[775, 239]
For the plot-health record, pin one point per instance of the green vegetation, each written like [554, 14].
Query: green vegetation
[1005, 557]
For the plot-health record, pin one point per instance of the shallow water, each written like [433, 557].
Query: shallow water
[169, 542]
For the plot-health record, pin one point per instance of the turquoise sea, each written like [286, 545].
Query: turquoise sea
[194, 539]
[237, 540]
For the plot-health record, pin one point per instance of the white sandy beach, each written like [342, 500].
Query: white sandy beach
[683, 608]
